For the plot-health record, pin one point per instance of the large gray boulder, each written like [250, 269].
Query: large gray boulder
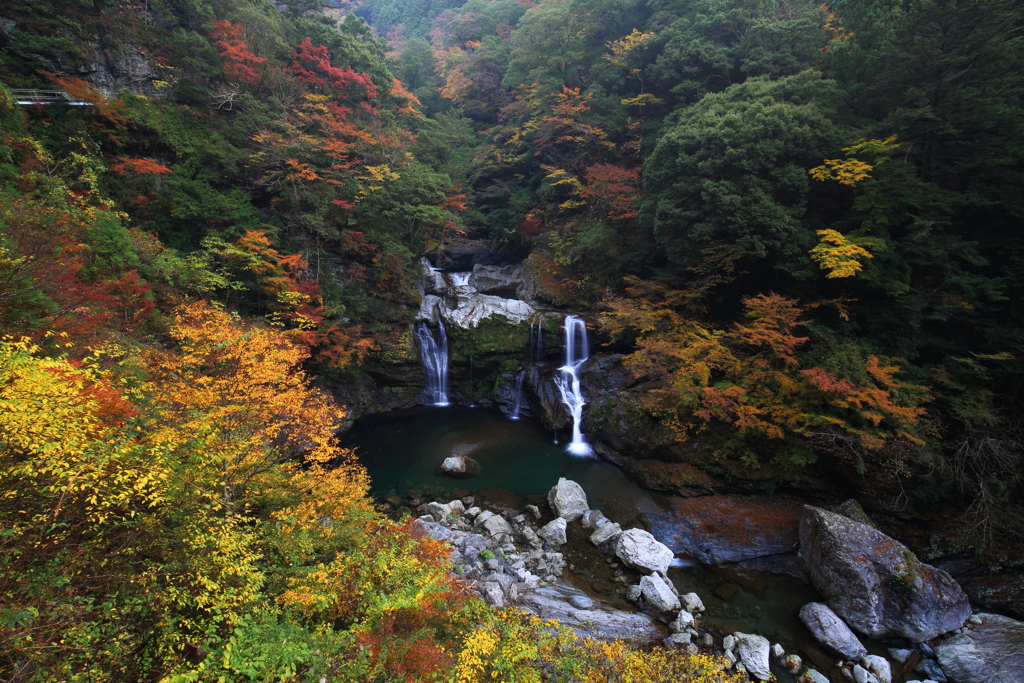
[568, 500]
[990, 651]
[874, 583]
[753, 651]
[638, 549]
[829, 630]
[656, 591]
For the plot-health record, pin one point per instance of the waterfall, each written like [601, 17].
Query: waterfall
[460, 279]
[517, 402]
[434, 353]
[576, 353]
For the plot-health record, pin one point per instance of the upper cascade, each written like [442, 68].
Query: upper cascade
[456, 297]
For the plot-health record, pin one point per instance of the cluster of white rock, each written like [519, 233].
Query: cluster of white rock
[460, 298]
[485, 551]
[509, 560]
[530, 576]
[514, 559]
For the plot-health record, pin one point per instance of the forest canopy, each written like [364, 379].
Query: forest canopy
[799, 224]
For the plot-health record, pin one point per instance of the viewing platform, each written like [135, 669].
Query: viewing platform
[28, 97]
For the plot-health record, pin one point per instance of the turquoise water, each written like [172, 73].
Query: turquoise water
[403, 448]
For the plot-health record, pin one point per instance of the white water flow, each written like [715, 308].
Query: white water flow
[576, 353]
[517, 404]
[460, 279]
[434, 353]
[540, 339]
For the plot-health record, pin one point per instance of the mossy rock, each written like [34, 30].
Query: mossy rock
[494, 337]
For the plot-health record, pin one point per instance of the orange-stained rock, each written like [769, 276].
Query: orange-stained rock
[716, 529]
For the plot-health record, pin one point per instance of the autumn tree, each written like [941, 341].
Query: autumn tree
[752, 379]
[240, 64]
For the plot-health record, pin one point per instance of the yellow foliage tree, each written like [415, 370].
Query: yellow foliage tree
[234, 401]
[839, 255]
[851, 171]
[515, 647]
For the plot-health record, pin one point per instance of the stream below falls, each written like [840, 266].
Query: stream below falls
[402, 449]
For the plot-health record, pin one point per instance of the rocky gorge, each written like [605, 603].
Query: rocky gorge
[875, 592]
[883, 615]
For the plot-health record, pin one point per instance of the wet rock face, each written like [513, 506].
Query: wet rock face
[1003, 591]
[990, 651]
[874, 583]
[829, 630]
[553, 413]
[612, 414]
[716, 529]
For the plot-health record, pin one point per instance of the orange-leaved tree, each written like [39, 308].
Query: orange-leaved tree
[235, 402]
[750, 385]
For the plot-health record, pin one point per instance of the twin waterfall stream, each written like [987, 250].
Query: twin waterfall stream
[434, 354]
[576, 354]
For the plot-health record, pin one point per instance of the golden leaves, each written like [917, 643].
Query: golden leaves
[235, 396]
[851, 171]
[845, 171]
[622, 50]
[839, 255]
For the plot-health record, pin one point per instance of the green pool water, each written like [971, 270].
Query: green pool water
[402, 449]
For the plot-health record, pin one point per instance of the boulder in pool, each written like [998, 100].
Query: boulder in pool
[459, 466]
[753, 651]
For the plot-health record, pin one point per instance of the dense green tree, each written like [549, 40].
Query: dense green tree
[708, 45]
[733, 168]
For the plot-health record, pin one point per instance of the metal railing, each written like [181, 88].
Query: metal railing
[23, 96]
